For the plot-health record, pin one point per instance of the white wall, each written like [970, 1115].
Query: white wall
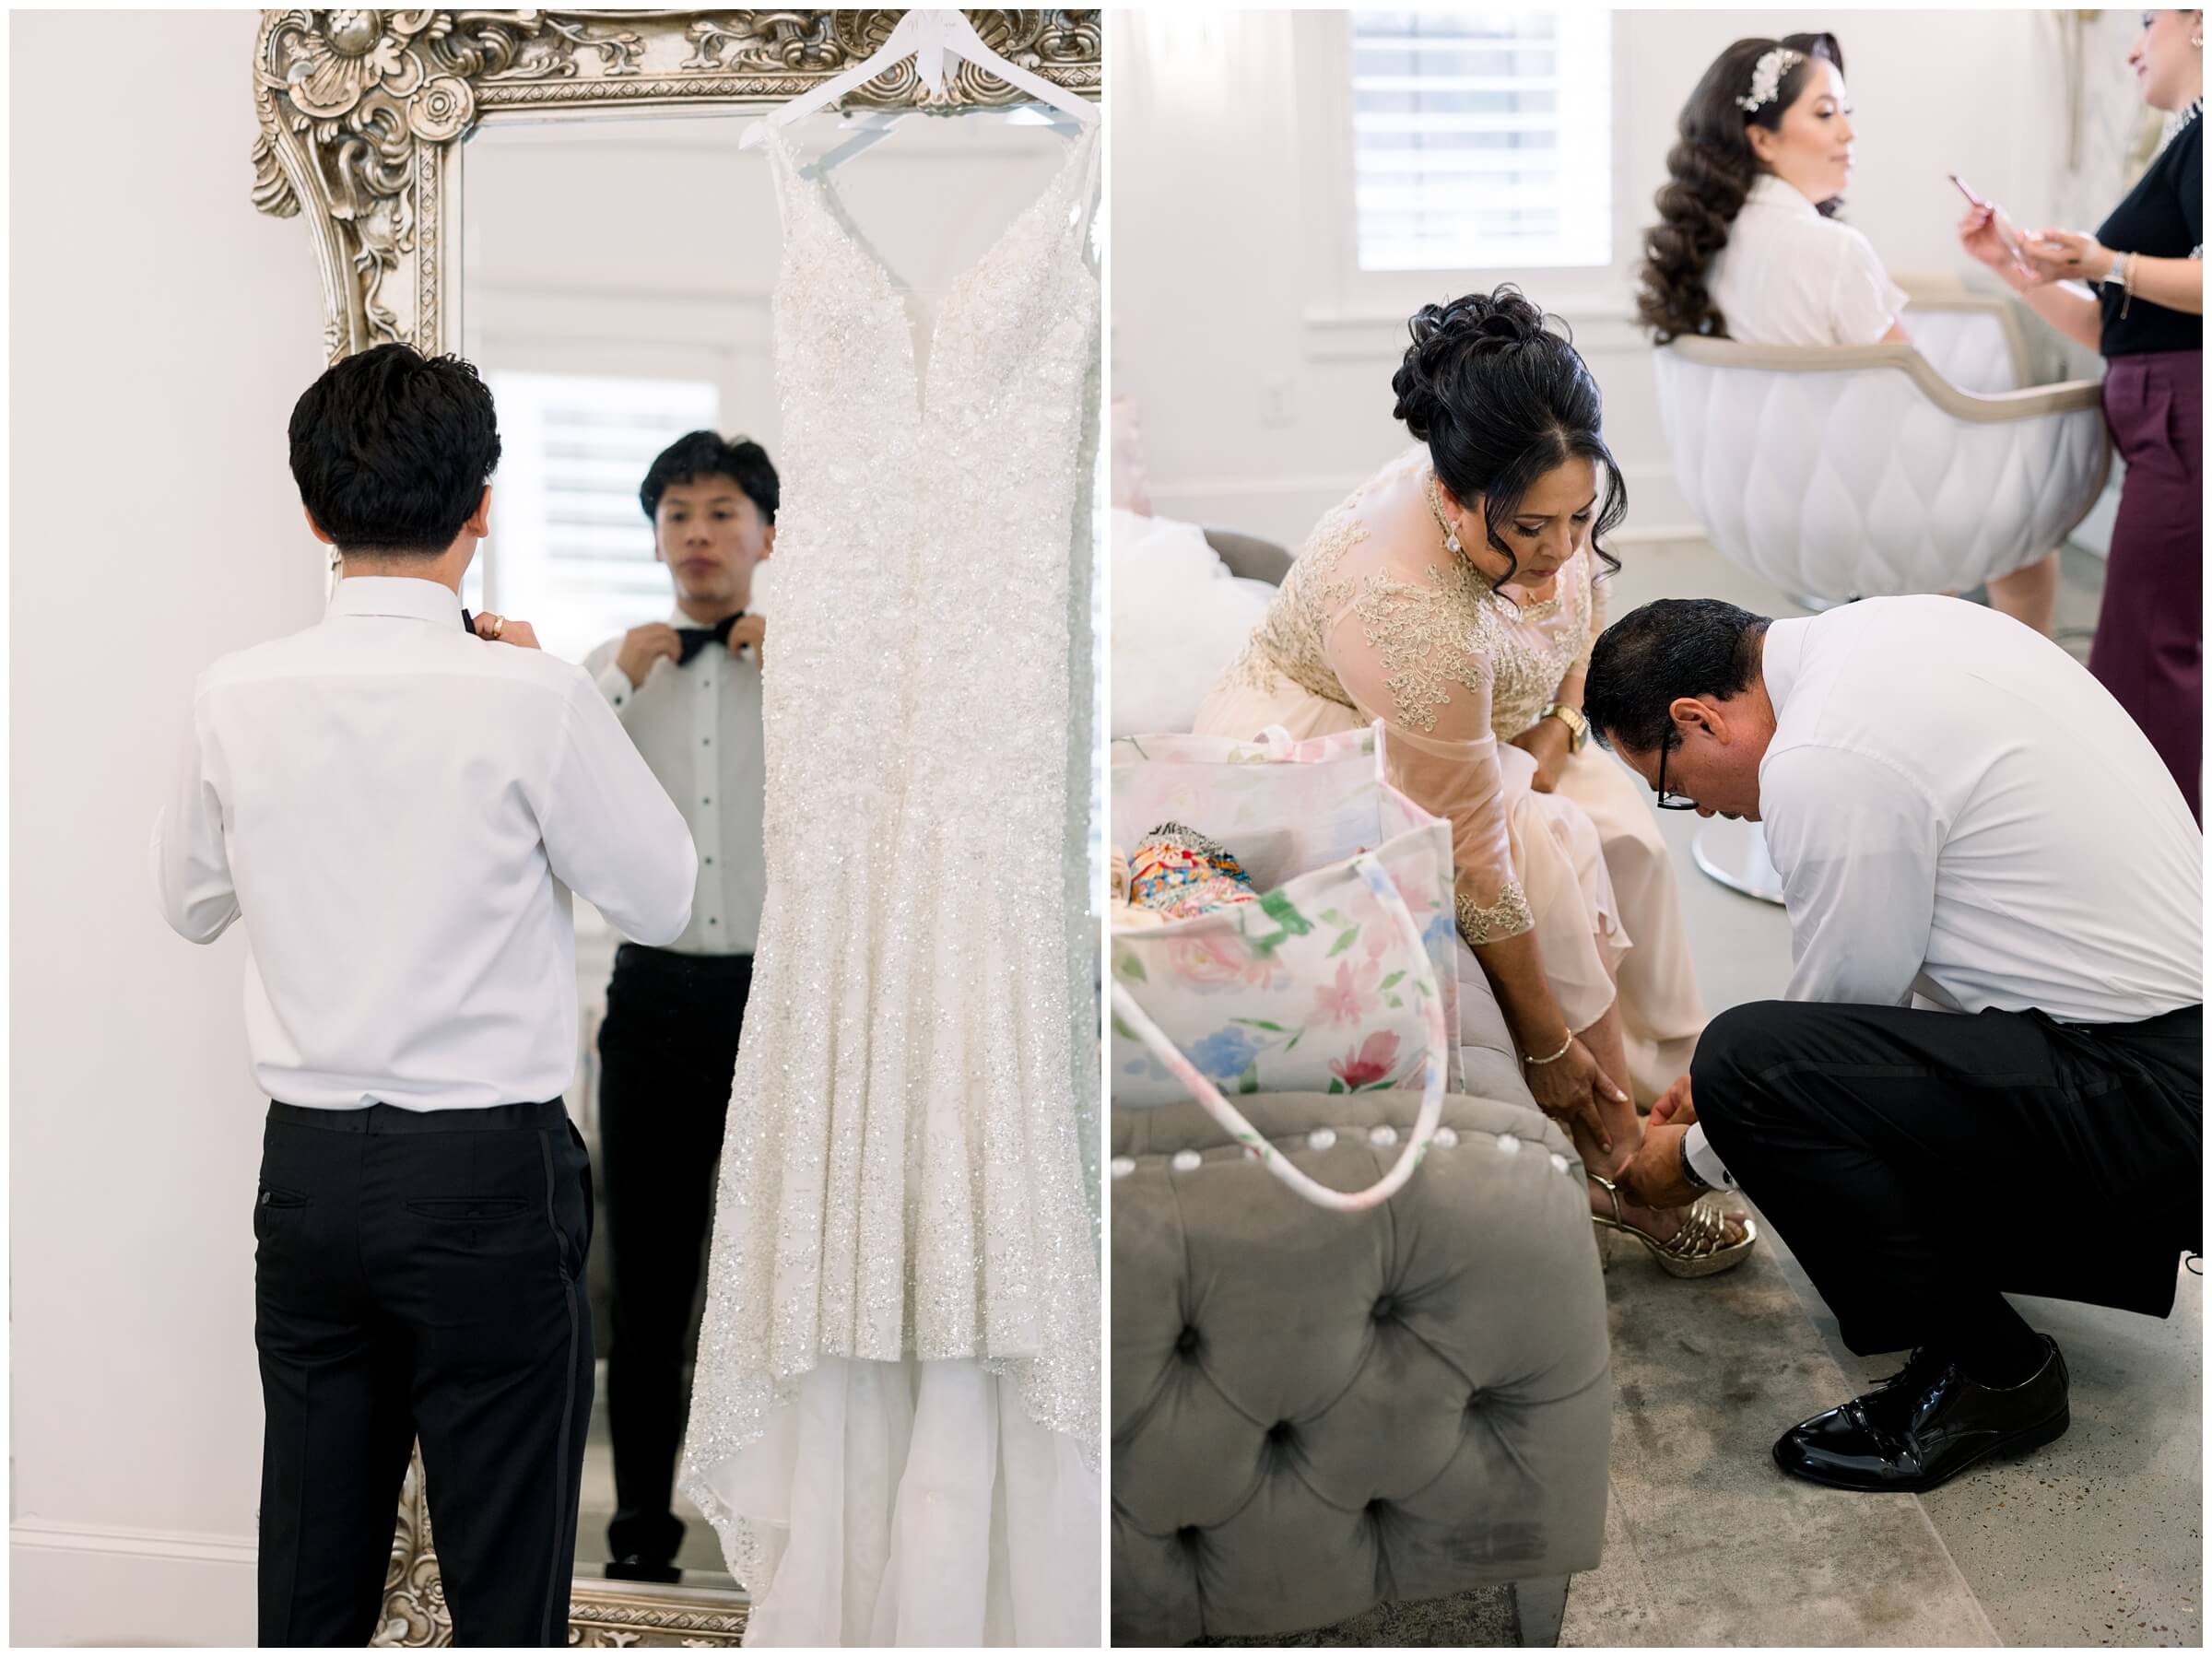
[1263, 395]
[161, 330]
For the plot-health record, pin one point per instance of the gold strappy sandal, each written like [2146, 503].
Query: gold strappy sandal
[1699, 1250]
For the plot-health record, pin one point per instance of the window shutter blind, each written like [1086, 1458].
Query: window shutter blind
[1482, 139]
[572, 551]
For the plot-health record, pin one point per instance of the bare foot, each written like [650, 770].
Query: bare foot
[1659, 1224]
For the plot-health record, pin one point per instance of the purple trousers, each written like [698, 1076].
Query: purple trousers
[2149, 650]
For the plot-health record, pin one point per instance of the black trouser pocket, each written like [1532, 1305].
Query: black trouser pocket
[276, 1208]
[584, 1184]
[568, 1207]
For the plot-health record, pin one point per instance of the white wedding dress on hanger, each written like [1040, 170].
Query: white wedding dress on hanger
[895, 1419]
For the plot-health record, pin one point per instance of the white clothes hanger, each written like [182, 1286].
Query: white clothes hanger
[927, 37]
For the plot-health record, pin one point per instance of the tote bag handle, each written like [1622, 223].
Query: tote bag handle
[1140, 1024]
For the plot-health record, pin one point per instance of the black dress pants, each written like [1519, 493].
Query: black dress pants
[418, 1275]
[666, 1052]
[1921, 1164]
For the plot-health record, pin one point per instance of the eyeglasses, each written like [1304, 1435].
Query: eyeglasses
[1671, 802]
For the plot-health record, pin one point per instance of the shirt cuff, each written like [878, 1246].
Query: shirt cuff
[614, 686]
[1706, 1159]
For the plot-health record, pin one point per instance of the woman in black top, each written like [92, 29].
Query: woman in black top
[2144, 315]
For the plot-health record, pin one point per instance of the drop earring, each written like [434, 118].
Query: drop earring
[1436, 505]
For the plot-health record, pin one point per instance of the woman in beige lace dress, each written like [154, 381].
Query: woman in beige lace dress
[1455, 596]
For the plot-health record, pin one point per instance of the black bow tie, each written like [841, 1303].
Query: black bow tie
[696, 638]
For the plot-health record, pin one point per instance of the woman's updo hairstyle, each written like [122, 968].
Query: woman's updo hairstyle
[1500, 400]
[1710, 171]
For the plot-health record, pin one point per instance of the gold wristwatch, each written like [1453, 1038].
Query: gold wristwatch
[1577, 728]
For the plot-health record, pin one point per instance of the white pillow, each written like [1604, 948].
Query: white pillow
[1179, 618]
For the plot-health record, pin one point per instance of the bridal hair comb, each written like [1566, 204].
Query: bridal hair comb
[1766, 78]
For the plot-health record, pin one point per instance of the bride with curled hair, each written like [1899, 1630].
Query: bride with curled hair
[1721, 161]
[1748, 245]
[1456, 595]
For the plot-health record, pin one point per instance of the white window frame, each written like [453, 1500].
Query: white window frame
[1346, 303]
[514, 569]
[661, 334]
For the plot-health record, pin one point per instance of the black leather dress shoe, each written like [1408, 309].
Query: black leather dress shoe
[1846, 1432]
[636, 1567]
[1924, 1425]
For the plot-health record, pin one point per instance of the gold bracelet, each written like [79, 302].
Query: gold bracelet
[1556, 1057]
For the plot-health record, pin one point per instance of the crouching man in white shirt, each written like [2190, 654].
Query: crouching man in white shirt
[1960, 813]
[398, 806]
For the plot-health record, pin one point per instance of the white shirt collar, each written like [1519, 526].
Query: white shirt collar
[413, 597]
[1772, 190]
[1781, 654]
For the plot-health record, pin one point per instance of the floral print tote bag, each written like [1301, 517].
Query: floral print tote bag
[1338, 978]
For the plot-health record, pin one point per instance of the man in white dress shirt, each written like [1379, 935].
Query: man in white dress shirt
[1995, 899]
[689, 693]
[396, 808]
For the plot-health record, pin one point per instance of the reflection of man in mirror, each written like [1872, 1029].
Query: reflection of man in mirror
[689, 692]
[391, 806]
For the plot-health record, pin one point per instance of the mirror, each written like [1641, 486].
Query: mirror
[616, 294]
[559, 196]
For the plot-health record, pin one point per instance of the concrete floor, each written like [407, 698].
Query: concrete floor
[2097, 1539]
[1707, 1544]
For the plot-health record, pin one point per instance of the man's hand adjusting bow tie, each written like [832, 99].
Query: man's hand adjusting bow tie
[696, 638]
[642, 646]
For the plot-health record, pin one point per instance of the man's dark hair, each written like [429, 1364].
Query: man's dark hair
[1670, 648]
[698, 454]
[391, 449]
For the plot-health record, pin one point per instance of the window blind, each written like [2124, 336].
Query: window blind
[570, 552]
[1481, 139]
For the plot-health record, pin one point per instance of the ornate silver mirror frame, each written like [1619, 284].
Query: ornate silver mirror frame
[363, 115]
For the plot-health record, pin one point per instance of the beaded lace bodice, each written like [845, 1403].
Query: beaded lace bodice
[1400, 628]
[1434, 632]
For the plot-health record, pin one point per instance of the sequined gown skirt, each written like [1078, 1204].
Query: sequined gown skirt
[1593, 866]
[925, 1482]
[896, 1378]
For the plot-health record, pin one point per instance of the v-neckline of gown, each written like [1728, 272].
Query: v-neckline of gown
[1531, 609]
[896, 287]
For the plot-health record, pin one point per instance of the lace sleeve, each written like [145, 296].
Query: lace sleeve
[1411, 653]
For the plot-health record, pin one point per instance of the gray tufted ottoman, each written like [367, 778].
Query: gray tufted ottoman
[1316, 1412]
